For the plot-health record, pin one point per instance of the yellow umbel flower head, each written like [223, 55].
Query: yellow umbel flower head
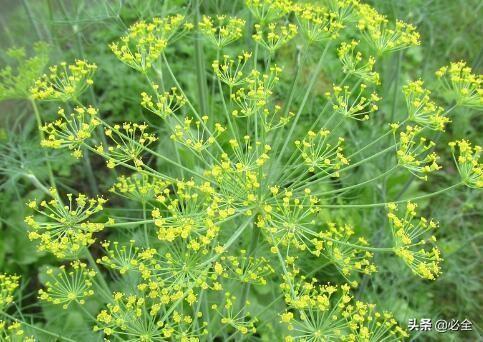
[71, 131]
[274, 36]
[221, 30]
[135, 316]
[325, 312]
[194, 134]
[189, 212]
[138, 187]
[319, 153]
[130, 141]
[64, 82]
[129, 315]
[231, 72]
[412, 152]
[338, 247]
[317, 23]
[64, 230]
[267, 11]
[8, 285]
[421, 108]
[14, 332]
[66, 286]
[289, 221]
[246, 269]
[16, 83]
[357, 107]
[164, 104]
[468, 163]
[354, 64]
[241, 320]
[382, 35]
[413, 241]
[165, 274]
[464, 86]
[255, 97]
[367, 324]
[145, 41]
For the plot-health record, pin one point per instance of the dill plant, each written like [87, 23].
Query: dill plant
[246, 198]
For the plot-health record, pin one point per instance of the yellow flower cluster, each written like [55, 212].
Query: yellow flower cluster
[421, 108]
[138, 187]
[382, 35]
[8, 285]
[412, 152]
[412, 238]
[343, 9]
[230, 71]
[66, 286]
[145, 41]
[344, 254]
[317, 23]
[465, 87]
[246, 269]
[10, 331]
[71, 131]
[130, 141]
[328, 312]
[357, 108]
[190, 212]
[290, 222]
[165, 104]
[122, 258]
[274, 36]
[468, 163]
[167, 276]
[221, 30]
[267, 11]
[137, 317]
[240, 321]
[64, 82]
[238, 176]
[319, 153]
[309, 297]
[366, 324]
[249, 156]
[64, 230]
[194, 134]
[354, 64]
[16, 83]
[181, 327]
[13, 332]
[254, 99]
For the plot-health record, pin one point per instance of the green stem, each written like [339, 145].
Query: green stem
[251, 252]
[357, 185]
[200, 70]
[304, 101]
[37, 183]
[365, 248]
[146, 236]
[90, 174]
[30, 15]
[382, 204]
[42, 137]
[99, 276]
